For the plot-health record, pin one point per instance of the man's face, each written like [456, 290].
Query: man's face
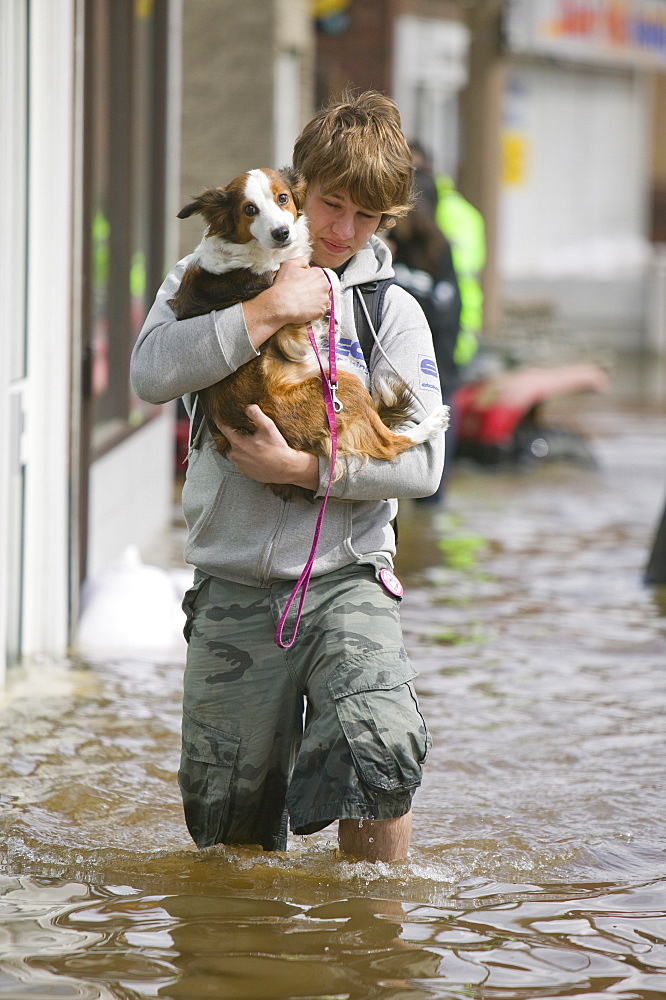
[338, 227]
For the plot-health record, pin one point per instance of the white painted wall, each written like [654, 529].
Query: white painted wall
[13, 144]
[573, 202]
[131, 493]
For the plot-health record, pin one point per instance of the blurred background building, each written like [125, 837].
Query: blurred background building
[548, 114]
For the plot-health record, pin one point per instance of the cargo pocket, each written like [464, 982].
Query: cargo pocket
[207, 766]
[380, 718]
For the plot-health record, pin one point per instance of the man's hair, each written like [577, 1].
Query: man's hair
[355, 145]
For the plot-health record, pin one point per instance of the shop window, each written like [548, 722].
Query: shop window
[124, 153]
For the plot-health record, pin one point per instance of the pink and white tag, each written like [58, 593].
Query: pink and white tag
[390, 581]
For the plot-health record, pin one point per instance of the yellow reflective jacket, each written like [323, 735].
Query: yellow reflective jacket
[464, 228]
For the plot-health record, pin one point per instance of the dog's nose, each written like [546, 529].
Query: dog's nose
[280, 234]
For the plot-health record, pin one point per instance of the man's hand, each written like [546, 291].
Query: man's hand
[266, 457]
[299, 294]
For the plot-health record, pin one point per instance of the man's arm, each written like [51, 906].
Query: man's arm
[299, 294]
[173, 357]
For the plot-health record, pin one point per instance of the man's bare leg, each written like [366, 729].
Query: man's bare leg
[376, 840]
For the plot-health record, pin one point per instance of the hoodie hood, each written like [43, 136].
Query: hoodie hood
[371, 263]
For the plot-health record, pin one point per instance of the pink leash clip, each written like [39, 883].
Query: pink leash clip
[329, 386]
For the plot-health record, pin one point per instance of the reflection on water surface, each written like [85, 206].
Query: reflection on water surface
[486, 940]
[538, 866]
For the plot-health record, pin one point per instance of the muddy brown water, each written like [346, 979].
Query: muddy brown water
[538, 866]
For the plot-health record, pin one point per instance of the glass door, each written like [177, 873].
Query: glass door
[123, 217]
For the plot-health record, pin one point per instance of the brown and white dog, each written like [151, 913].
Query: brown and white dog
[252, 226]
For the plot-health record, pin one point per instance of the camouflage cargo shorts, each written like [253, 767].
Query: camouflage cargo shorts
[329, 729]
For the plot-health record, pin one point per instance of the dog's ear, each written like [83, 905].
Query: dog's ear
[210, 200]
[189, 210]
[297, 185]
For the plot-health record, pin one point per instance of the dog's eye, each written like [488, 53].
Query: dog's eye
[282, 199]
[250, 209]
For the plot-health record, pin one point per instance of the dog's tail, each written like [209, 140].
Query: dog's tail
[394, 401]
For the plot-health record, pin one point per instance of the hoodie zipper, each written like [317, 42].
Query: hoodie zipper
[263, 574]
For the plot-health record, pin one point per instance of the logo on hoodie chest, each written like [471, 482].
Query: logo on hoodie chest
[428, 377]
[350, 350]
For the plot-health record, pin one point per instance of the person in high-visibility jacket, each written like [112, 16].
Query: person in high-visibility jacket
[464, 228]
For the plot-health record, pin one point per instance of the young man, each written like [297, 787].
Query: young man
[249, 764]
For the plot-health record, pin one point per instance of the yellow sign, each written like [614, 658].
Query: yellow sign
[514, 159]
[326, 8]
[143, 9]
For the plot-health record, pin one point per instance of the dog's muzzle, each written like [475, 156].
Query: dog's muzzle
[280, 235]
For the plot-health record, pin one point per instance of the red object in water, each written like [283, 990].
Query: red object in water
[490, 411]
[477, 421]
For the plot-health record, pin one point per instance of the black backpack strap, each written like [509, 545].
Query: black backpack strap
[373, 293]
[196, 420]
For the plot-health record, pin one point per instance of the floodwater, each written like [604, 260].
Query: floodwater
[538, 866]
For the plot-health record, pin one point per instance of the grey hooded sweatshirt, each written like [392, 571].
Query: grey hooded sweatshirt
[238, 529]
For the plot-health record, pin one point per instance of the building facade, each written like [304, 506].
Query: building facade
[102, 101]
[86, 467]
[579, 140]
[547, 114]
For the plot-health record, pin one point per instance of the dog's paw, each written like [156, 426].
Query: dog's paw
[441, 417]
[436, 422]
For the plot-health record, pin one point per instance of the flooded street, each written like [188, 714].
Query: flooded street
[538, 865]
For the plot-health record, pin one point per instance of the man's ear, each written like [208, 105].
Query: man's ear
[211, 199]
[297, 185]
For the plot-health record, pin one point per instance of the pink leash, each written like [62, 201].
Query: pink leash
[333, 405]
